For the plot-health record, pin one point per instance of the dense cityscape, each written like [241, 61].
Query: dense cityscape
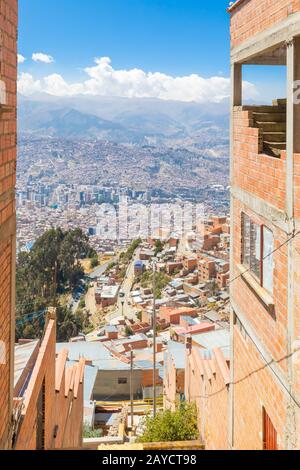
[63, 183]
[149, 232]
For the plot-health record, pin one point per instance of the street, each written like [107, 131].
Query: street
[126, 287]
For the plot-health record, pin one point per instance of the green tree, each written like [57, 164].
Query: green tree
[158, 247]
[89, 432]
[94, 262]
[51, 268]
[128, 331]
[168, 426]
[68, 324]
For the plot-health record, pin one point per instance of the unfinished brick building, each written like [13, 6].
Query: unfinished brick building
[264, 410]
[8, 78]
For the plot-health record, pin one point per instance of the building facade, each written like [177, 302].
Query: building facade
[48, 396]
[8, 95]
[264, 403]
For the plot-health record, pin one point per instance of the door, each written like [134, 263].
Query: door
[269, 433]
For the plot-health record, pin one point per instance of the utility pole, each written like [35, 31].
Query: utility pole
[154, 339]
[131, 387]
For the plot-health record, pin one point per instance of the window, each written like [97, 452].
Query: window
[268, 259]
[122, 380]
[269, 433]
[257, 251]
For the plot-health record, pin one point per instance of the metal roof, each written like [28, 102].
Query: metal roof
[177, 352]
[90, 375]
[23, 354]
[213, 339]
[95, 352]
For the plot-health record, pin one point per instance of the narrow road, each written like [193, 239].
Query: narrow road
[100, 270]
[126, 287]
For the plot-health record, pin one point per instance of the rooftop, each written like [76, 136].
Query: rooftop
[95, 352]
[234, 5]
[177, 352]
[213, 339]
[25, 356]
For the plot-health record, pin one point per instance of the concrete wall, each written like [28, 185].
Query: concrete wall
[107, 387]
[8, 76]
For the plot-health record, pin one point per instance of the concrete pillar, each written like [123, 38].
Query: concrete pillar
[297, 90]
[236, 100]
[293, 146]
[236, 84]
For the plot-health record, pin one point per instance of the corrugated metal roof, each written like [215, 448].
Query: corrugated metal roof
[90, 375]
[23, 353]
[177, 352]
[131, 339]
[213, 339]
[95, 352]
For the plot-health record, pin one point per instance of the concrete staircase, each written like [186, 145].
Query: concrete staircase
[271, 120]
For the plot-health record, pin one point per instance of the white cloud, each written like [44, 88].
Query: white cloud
[27, 85]
[21, 59]
[41, 57]
[104, 80]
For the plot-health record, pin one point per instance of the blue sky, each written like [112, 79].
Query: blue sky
[173, 37]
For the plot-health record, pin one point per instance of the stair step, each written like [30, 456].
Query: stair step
[269, 117]
[272, 151]
[275, 145]
[268, 109]
[272, 126]
[279, 102]
[279, 137]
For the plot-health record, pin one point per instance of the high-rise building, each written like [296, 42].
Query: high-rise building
[264, 411]
[8, 96]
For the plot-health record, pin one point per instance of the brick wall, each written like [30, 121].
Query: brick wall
[271, 326]
[206, 384]
[8, 75]
[254, 389]
[249, 165]
[63, 401]
[173, 384]
[259, 327]
[5, 336]
[297, 185]
[254, 16]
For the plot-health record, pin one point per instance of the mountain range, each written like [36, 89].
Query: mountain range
[124, 120]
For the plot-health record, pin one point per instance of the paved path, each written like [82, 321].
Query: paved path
[128, 310]
[100, 270]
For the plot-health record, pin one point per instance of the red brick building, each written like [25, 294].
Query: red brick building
[171, 315]
[8, 78]
[207, 384]
[48, 396]
[265, 217]
[174, 374]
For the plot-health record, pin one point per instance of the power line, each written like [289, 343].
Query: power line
[268, 364]
[267, 256]
[264, 258]
[30, 317]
